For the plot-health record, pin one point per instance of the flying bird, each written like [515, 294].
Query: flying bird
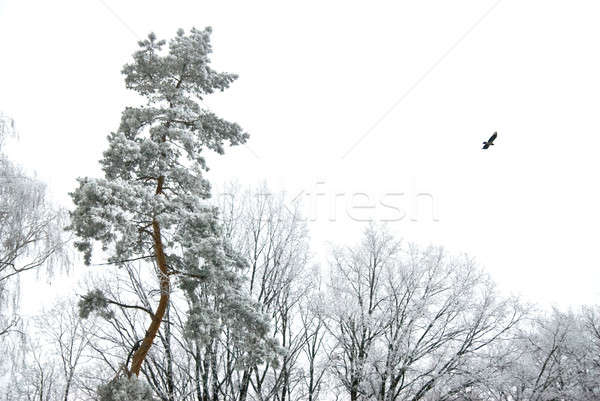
[490, 141]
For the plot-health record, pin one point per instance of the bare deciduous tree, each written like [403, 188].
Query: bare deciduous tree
[50, 355]
[408, 321]
[272, 236]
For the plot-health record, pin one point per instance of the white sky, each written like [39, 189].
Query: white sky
[435, 78]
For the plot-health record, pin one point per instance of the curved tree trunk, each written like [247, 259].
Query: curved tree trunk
[161, 262]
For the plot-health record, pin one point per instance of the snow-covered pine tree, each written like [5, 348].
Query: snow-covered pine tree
[152, 203]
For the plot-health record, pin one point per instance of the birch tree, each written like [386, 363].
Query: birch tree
[30, 228]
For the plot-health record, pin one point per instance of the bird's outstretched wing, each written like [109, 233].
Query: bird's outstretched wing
[490, 141]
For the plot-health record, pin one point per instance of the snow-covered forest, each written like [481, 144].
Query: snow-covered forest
[188, 296]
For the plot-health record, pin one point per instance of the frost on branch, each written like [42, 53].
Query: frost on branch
[125, 389]
[94, 301]
[158, 150]
[151, 205]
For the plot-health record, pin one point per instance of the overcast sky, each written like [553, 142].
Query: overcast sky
[381, 105]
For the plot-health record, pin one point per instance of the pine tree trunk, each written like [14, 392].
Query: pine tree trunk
[161, 261]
